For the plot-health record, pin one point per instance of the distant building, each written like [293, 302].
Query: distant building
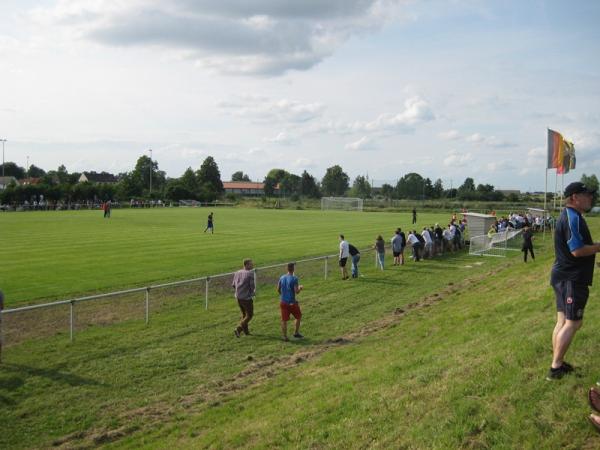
[246, 188]
[30, 180]
[7, 181]
[93, 177]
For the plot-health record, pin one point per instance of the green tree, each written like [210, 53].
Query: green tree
[467, 190]
[411, 185]
[144, 167]
[12, 170]
[308, 186]
[290, 184]
[35, 172]
[130, 186]
[438, 189]
[335, 182]
[209, 180]
[239, 176]
[361, 187]
[387, 190]
[190, 183]
[272, 179]
[592, 183]
[176, 191]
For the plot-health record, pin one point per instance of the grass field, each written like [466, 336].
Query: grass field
[447, 353]
[67, 253]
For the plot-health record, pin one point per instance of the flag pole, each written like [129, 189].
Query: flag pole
[545, 198]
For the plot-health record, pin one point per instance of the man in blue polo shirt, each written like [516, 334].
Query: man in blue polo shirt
[572, 273]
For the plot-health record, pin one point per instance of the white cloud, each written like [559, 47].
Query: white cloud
[500, 166]
[263, 109]
[282, 138]
[456, 159]
[364, 143]
[267, 37]
[450, 135]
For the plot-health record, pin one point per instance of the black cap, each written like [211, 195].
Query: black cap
[578, 188]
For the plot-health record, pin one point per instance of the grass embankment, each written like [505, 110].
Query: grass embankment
[59, 255]
[429, 355]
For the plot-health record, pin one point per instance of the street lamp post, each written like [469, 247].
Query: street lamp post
[150, 172]
[3, 141]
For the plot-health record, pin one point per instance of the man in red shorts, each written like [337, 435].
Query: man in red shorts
[287, 287]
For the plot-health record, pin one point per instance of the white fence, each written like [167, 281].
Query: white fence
[137, 302]
[495, 245]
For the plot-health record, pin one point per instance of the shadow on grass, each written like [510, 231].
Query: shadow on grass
[51, 374]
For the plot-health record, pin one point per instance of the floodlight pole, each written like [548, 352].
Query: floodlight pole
[3, 141]
[150, 172]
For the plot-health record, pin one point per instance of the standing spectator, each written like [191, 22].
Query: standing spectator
[414, 216]
[355, 255]
[343, 256]
[448, 239]
[398, 244]
[380, 248]
[210, 225]
[105, 209]
[428, 247]
[439, 238]
[287, 288]
[527, 243]
[416, 245]
[572, 272]
[245, 289]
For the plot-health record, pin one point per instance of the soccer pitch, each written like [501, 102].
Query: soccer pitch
[59, 255]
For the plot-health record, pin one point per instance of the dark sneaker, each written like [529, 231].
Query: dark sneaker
[594, 398]
[237, 333]
[556, 374]
[567, 367]
[298, 336]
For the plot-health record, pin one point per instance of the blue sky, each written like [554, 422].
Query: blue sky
[448, 89]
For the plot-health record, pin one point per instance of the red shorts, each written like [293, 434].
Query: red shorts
[287, 309]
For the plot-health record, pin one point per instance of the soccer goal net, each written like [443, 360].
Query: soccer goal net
[497, 244]
[342, 203]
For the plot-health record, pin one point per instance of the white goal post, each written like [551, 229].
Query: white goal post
[342, 203]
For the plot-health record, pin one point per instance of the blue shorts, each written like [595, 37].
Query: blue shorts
[571, 298]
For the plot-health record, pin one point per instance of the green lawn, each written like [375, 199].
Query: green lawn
[58, 255]
[446, 353]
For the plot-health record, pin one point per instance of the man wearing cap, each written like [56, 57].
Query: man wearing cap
[572, 273]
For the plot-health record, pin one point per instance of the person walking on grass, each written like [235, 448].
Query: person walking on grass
[414, 215]
[572, 273]
[527, 243]
[287, 287]
[245, 290]
[343, 256]
[380, 249]
[210, 225]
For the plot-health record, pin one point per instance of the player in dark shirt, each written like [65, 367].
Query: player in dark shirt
[572, 273]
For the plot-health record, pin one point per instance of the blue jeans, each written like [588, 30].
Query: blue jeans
[380, 259]
[355, 260]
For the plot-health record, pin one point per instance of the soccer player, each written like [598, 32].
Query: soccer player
[287, 287]
[572, 273]
[209, 225]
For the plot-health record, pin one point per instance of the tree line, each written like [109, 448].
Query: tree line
[147, 181]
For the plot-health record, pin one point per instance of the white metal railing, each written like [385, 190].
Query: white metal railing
[495, 245]
[147, 290]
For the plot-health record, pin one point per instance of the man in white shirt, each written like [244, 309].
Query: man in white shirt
[414, 242]
[428, 243]
[343, 256]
